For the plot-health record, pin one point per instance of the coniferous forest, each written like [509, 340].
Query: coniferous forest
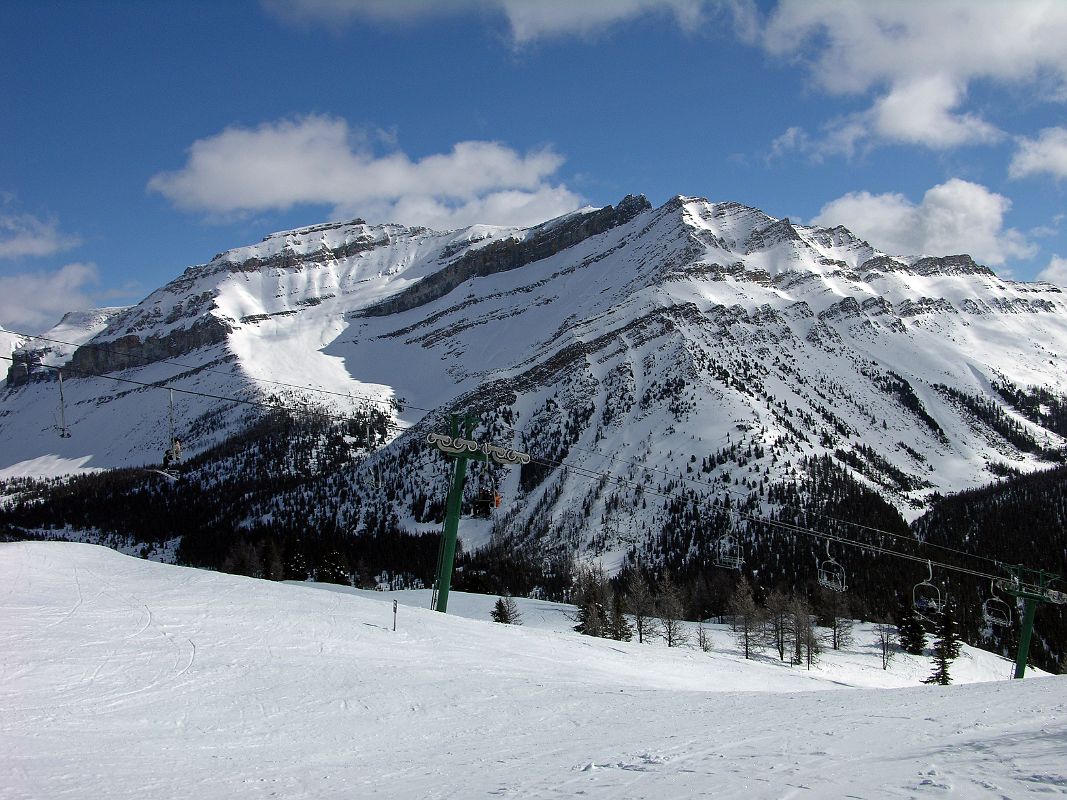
[281, 501]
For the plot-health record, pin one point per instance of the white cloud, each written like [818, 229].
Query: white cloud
[332, 12]
[34, 301]
[24, 235]
[841, 136]
[502, 208]
[1055, 272]
[919, 59]
[954, 217]
[794, 138]
[919, 111]
[528, 20]
[1046, 153]
[318, 160]
[545, 18]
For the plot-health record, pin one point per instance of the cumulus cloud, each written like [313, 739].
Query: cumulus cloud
[34, 301]
[528, 20]
[954, 217]
[1046, 153]
[318, 160]
[919, 60]
[1055, 272]
[27, 236]
[920, 111]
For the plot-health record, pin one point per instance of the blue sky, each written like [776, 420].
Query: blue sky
[142, 137]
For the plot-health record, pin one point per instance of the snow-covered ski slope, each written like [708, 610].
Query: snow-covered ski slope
[122, 678]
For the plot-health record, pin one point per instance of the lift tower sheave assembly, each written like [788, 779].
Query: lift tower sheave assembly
[462, 449]
[1032, 586]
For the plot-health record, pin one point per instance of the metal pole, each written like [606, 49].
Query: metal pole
[437, 569]
[463, 450]
[452, 512]
[1029, 610]
[63, 432]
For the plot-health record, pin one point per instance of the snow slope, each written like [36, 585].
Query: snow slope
[8, 341]
[123, 678]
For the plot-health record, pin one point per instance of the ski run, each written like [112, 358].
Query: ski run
[124, 678]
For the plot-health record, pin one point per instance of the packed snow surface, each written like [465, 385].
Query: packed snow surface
[123, 678]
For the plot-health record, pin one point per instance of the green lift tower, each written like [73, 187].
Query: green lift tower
[1032, 586]
[462, 449]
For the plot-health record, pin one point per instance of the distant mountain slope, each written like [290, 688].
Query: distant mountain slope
[680, 357]
[8, 342]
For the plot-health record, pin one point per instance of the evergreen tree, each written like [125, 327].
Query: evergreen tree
[948, 631]
[334, 569]
[910, 629]
[946, 647]
[506, 611]
[364, 577]
[244, 559]
[618, 626]
[273, 568]
[592, 602]
[295, 566]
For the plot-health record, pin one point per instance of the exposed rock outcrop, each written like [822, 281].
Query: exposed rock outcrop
[512, 253]
[133, 351]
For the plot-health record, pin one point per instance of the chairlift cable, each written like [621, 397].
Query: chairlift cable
[737, 494]
[582, 472]
[783, 526]
[630, 462]
[296, 410]
[696, 481]
[64, 431]
[171, 362]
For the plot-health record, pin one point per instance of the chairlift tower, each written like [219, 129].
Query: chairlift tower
[1033, 586]
[63, 428]
[462, 449]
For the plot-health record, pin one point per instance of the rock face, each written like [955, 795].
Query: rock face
[513, 253]
[132, 350]
[33, 357]
[24, 363]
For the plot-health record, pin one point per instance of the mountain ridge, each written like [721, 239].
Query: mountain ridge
[688, 324]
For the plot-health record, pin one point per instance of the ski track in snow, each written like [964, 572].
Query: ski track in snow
[123, 678]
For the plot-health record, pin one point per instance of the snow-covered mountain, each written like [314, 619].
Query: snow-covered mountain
[9, 342]
[30, 354]
[698, 342]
